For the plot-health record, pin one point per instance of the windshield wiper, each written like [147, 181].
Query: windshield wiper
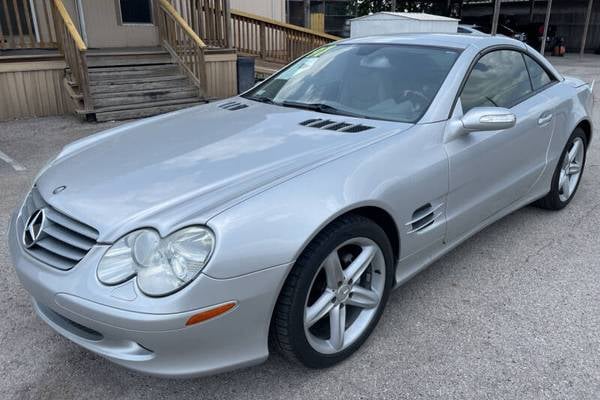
[262, 99]
[320, 107]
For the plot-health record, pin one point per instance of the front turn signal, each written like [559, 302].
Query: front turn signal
[210, 313]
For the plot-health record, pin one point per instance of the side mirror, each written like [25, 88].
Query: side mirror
[488, 119]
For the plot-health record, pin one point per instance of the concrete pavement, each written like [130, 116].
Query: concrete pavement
[512, 313]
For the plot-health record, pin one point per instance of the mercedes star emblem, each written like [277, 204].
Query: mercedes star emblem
[34, 228]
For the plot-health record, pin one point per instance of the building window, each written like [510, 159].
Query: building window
[136, 11]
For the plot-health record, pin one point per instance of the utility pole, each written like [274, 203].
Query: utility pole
[531, 10]
[586, 28]
[393, 5]
[307, 13]
[546, 25]
[496, 18]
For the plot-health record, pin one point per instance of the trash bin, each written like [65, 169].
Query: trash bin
[245, 73]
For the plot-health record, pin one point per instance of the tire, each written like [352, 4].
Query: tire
[316, 280]
[556, 199]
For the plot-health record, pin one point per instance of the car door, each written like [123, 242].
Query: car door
[491, 170]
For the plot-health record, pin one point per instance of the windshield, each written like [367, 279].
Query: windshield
[378, 81]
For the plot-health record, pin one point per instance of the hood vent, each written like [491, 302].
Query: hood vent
[334, 125]
[233, 106]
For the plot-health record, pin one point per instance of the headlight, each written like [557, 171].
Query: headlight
[162, 265]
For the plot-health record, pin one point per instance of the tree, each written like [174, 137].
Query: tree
[365, 7]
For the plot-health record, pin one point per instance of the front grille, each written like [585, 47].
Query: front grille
[63, 241]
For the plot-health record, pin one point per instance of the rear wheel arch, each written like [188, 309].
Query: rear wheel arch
[586, 126]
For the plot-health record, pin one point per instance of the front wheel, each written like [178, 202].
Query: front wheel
[567, 174]
[335, 293]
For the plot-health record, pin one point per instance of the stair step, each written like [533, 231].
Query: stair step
[98, 74]
[111, 76]
[147, 96]
[127, 106]
[120, 87]
[121, 80]
[144, 91]
[150, 109]
[111, 61]
[129, 68]
[127, 51]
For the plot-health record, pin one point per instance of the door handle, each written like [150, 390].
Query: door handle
[545, 118]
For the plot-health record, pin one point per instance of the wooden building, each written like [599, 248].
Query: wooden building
[119, 59]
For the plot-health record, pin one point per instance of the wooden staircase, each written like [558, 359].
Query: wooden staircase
[132, 83]
[113, 84]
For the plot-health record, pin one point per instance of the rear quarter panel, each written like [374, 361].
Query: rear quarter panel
[571, 105]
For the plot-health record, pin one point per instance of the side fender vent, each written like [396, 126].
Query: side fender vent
[334, 125]
[233, 106]
[424, 217]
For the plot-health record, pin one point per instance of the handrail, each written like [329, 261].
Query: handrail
[26, 24]
[168, 7]
[74, 49]
[273, 41]
[64, 14]
[209, 19]
[270, 21]
[184, 45]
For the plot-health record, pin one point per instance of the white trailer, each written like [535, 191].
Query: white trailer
[383, 23]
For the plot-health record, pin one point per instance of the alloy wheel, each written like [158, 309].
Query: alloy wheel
[570, 172]
[344, 295]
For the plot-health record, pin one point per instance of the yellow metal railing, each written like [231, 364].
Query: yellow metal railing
[74, 50]
[184, 44]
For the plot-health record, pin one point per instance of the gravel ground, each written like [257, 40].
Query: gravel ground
[512, 313]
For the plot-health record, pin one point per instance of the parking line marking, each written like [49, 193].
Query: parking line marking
[13, 163]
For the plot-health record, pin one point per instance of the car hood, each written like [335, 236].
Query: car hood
[190, 165]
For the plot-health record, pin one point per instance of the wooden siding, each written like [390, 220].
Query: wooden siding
[104, 29]
[32, 89]
[221, 73]
[274, 9]
[35, 89]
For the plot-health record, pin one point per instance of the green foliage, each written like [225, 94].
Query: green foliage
[365, 7]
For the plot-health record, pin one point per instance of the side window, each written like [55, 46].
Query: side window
[499, 79]
[539, 77]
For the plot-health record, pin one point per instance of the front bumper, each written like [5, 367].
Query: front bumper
[124, 329]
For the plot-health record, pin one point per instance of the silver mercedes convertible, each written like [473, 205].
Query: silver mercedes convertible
[197, 241]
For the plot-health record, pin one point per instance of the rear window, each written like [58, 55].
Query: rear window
[539, 76]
